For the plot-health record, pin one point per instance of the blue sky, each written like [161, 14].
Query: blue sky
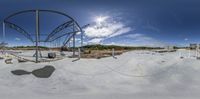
[125, 22]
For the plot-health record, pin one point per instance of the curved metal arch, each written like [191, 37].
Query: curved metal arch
[19, 29]
[58, 29]
[69, 36]
[67, 40]
[17, 13]
[68, 33]
[52, 11]
[76, 26]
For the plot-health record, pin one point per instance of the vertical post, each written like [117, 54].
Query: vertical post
[79, 53]
[180, 54]
[74, 40]
[113, 52]
[197, 51]
[4, 34]
[4, 31]
[189, 53]
[73, 45]
[37, 35]
[69, 44]
[81, 40]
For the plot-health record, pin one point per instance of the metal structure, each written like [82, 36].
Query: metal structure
[54, 35]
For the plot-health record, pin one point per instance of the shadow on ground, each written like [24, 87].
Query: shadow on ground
[44, 72]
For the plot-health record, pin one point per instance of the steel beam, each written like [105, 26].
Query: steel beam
[68, 33]
[53, 35]
[4, 31]
[18, 29]
[73, 45]
[73, 41]
[58, 29]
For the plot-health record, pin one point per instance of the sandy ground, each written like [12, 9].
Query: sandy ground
[133, 75]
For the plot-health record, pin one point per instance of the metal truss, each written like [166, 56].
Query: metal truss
[58, 29]
[65, 34]
[56, 33]
[51, 36]
[19, 29]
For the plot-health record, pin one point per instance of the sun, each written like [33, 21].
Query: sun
[101, 19]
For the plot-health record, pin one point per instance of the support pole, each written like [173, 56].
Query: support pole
[4, 35]
[197, 51]
[37, 35]
[113, 52]
[69, 44]
[79, 53]
[81, 40]
[74, 40]
[4, 32]
[73, 45]
[189, 53]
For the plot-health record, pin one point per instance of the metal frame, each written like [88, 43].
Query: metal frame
[18, 29]
[58, 29]
[54, 35]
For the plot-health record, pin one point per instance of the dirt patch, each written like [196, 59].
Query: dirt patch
[100, 54]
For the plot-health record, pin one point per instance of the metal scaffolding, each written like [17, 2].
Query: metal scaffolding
[54, 35]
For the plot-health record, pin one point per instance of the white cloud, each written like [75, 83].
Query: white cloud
[121, 31]
[186, 39]
[105, 28]
[144, 40]
[140, 37]
[79, 33]
[101, 19]
[95, 41]
[17, 39]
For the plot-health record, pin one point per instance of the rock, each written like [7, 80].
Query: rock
[62, 54]
[51, 55]
[198, 58]
[22, 60]
[8, 61]
[1, 58]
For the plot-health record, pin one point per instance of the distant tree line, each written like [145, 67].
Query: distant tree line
[27, 47]
[90, 47]
[109, 47]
